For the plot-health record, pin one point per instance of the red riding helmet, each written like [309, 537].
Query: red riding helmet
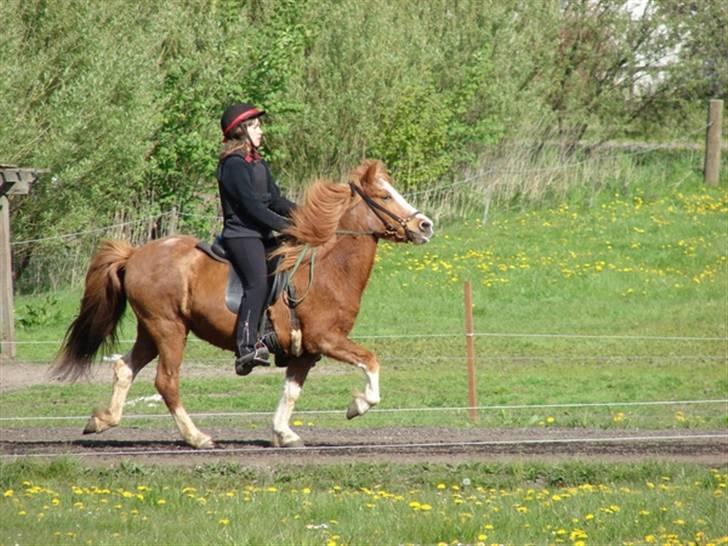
[237, 113]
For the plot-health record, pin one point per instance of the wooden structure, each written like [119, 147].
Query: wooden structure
[13, 180]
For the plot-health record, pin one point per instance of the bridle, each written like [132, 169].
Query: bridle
[380, 212]
[389, 231]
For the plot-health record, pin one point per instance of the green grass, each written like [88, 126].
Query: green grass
[403, 387]
[575, 503]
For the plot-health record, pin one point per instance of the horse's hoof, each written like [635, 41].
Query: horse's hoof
[90, 427]
[358, 407]
[206, 443]
[278, 442]
[94, 426]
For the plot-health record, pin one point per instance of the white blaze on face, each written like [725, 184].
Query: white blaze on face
[424, 223]
[401, 201]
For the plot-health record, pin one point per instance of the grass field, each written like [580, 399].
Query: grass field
[577, 504]
[612, 298]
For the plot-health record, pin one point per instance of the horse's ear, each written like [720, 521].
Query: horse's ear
[371, 171]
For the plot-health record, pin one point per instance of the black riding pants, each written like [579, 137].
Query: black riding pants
[248, 257]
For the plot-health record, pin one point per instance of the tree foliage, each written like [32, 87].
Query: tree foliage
[121, 99]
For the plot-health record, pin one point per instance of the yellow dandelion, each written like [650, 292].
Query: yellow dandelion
[224, 521]
[8, 493]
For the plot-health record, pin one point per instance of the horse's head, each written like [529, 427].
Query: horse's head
[388, 214]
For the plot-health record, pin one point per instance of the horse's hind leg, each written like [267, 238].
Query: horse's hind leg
[171, 338]
[296, 373]
[125, 370]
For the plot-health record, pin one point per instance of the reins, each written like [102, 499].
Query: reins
[292, 300]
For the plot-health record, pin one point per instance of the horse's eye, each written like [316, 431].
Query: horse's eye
[386, 197]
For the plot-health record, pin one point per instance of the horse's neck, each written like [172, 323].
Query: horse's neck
[352, 257]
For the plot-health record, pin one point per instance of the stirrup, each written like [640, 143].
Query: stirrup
[244, 364]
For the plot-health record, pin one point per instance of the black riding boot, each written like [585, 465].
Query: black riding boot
[249, 353]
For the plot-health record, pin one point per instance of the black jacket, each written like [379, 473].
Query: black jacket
[252, 204]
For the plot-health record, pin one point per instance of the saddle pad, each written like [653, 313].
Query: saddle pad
[233, 288]
[233, 291]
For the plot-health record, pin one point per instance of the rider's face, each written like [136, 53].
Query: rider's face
[255, 132]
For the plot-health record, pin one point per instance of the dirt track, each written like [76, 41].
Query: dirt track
[392, 444]
[400, 445]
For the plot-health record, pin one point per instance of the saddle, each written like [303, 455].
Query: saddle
[234, 293]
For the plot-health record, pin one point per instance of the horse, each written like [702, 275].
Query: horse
[174, 288]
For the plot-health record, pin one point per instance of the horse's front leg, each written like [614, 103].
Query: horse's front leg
[345, 350]
[296, 373]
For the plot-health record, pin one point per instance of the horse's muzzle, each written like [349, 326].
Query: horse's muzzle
[423, 230]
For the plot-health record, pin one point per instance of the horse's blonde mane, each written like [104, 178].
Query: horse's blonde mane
[315, 221]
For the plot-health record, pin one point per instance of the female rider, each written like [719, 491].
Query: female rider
[253, 208]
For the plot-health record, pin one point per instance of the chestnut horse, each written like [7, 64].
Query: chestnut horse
[174, 288]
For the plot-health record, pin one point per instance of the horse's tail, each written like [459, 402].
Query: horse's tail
[102, 306]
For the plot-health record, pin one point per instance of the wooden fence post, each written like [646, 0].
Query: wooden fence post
[711, 165]
[470, 351]
[7, 320]
[13, 180]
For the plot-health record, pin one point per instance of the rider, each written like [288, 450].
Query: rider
[253, 208]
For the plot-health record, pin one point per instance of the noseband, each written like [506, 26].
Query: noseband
[380, 212]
